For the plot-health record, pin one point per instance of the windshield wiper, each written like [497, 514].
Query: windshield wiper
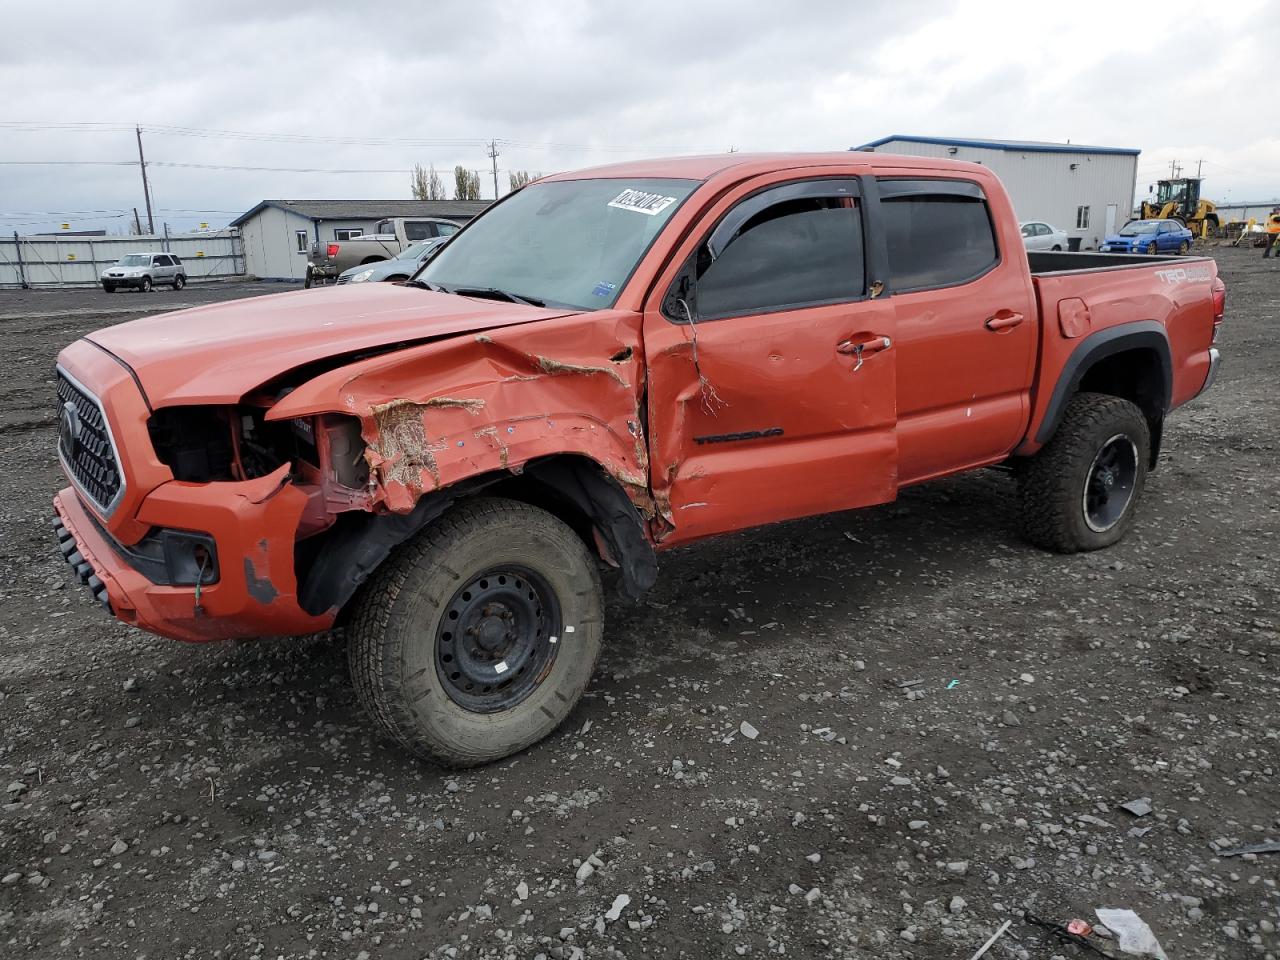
[496, 294]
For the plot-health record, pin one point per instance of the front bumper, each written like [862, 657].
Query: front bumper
[122, 281]
[253, 524]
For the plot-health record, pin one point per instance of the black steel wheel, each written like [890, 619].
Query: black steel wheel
[497, 639]
[476, 638]
[1080, 491]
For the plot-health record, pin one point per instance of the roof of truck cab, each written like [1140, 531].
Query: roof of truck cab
[750, 164]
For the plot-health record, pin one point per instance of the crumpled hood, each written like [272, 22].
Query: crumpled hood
[219, 352]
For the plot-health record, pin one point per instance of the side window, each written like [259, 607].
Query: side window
[1029, 230]
[300, 238]
[419, 230]
[794, 253]
[937, 240]
[175, 260]
[1043, 229]
[445, 229]
[348, 233]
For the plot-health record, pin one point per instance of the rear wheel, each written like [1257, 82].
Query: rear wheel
[179, 282]
[307, 279]
[1183, 247]
[1081, 490]
[1057, 247]
[477, 638]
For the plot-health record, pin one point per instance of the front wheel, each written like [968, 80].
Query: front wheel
[146, 285]
[1080, 491]
[109, 287]
[476, 639]
[1151, 248]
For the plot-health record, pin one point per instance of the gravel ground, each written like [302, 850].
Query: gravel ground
[880, 733]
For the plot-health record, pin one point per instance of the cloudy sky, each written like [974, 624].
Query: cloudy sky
[343, 98]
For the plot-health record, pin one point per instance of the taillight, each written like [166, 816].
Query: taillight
[1219, 304]
[332, 250]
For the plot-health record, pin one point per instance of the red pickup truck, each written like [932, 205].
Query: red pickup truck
[604, 365]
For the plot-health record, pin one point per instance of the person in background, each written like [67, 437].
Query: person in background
[1273, 235]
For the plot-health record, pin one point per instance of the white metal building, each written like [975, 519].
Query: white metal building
[1086, 191]
[1247, 210]
[278, 233]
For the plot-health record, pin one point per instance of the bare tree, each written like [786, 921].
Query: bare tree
[521, 178]
[466, 184]
[426, 184]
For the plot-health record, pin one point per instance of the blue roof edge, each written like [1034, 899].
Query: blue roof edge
[1001, 145]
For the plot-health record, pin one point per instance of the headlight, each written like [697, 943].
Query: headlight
[362, 276]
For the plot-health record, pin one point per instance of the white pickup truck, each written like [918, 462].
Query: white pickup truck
[328, 259]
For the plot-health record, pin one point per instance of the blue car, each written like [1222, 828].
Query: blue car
[1149, 236]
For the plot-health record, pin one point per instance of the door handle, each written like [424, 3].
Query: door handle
[1004, 320]
[862, 348]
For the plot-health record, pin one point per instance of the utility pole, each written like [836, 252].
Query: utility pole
[1199, 164]
[146, 188]
[493, 155]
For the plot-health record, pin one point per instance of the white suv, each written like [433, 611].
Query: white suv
[144, 271]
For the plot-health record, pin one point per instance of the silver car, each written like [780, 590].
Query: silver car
[142, 271]
[1038, 235]
[397, 270]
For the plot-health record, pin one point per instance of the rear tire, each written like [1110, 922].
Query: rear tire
[307, 280]
[1183, 247]
[179, 282]
[1081, 490]
[494, 587]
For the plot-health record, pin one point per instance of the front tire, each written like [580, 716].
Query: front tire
[476, 639]
[1081, 490]
[109, 287]
[1152, 249]
[145, 286]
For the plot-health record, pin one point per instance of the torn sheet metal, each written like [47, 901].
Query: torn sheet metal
[435, 414]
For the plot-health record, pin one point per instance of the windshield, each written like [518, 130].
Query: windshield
[1170, 190]
[414, 251]
[135, 260]
[569, 242]
[1135, 227]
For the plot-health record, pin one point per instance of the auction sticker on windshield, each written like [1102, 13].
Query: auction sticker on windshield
[650, 204]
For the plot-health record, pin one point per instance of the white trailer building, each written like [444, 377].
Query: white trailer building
[1086, 191]
[278, 234]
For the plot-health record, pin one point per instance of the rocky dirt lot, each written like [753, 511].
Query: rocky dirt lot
[946, 724]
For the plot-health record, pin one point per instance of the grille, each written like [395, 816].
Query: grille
[85, 445]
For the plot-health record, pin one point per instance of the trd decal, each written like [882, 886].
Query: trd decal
[745, 435]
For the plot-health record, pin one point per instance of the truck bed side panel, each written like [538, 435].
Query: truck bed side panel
[1077, 304]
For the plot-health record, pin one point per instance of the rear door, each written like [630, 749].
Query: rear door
[966, 322]
[771, 364]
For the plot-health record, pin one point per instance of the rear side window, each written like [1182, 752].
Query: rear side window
[795, 253]
[937, 240]
[419, 230]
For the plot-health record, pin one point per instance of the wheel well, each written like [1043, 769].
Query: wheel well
[1136, 375]
[372, 260]
[332, 567]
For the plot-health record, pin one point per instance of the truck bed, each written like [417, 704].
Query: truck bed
[1047, 262]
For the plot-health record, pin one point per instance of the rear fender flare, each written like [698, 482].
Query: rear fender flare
[1137, 335]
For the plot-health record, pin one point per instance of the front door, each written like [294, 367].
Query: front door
[771, 365]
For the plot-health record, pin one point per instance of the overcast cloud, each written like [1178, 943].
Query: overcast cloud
[573, 84]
